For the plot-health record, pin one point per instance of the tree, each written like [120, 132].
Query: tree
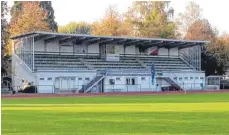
[214, 55]
[111, 24]
[220, 51]
[44, 5]
[47, 6]
[4, 36]
[31, 18]
[75, 28]
[4, 24]
[151, 19]
[200, 30]
[192, 13]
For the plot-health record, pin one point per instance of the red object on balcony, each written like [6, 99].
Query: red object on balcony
[154, 52]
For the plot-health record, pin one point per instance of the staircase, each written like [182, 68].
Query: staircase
[86, 88]
[85, 63]
[141, 63]
[172, 83]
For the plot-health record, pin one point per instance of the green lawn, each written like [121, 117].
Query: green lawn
[193, 114]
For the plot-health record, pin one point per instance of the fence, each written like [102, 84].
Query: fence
[124, 88]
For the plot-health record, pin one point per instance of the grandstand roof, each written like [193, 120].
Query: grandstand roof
[127, 41]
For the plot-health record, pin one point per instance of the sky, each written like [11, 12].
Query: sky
[84, 10]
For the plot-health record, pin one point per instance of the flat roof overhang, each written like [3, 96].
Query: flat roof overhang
[126, 41]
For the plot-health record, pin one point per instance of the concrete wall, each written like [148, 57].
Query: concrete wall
[53, 46]
[173, 51]
[163, 51]
[188, 80]
[39, 45]
[121, 49]
[130, 50]
[94, 48]
[66, 49]
[142, 83]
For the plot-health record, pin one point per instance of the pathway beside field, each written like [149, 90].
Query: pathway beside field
[109, 94]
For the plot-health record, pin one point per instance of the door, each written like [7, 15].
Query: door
[64, 83]
[57, 83]
[71, 83]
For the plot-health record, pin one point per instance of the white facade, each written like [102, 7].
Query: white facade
[141, 83]
[47, 82]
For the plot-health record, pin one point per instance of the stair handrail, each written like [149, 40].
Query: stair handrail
[23, 62]
[185, 59]
[8, 84]
[176, 80]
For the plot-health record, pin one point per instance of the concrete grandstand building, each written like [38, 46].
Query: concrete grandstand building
[58, 62]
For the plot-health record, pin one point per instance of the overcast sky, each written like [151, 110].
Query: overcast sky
[93, 10]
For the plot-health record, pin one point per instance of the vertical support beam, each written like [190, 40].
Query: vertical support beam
[13, 65]
[178, 52]
[169, 49]
[33, 54]
[200, 57]
[124, 50]
[73, 49]
[13, 47]
[45, 46]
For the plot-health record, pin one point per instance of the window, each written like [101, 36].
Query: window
[111, 81]
[133, 81]
[49, 79]
[201, 78]
[186, 78]
[143, 78]
[72, 78]
[130, 81]
[42, 79]
[118, 79]
[180, 78]
[191, 78]
[196, 77]
[79, 78]
[87, 78]
[174, 78]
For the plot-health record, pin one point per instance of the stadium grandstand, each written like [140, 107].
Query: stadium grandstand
[62, 63]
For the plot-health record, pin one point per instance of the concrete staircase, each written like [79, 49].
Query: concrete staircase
[86, 88]
[141, 63]
[89, 66]
[172, 83]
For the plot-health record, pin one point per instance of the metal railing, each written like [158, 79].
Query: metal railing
[124, 88]
[98, 54]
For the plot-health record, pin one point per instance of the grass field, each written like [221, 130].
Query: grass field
[193, 114]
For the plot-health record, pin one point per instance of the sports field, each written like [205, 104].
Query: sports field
[191, 114]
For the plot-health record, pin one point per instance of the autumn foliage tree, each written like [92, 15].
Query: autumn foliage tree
[215, 54]
[151, 19]
[31, 18]
[17, 8]
[200, 30]
[75, 28]
[220, 51]
[111, 24]
[192, 13]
